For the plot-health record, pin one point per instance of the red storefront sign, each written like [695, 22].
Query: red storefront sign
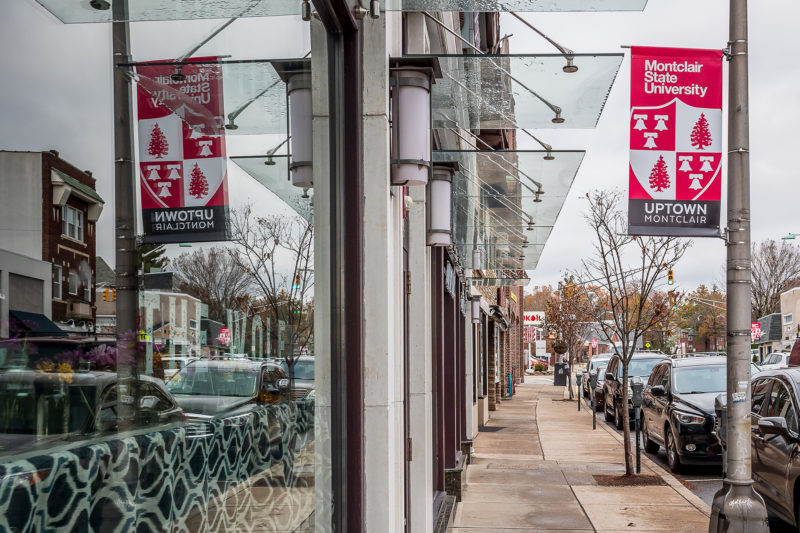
[675, 171]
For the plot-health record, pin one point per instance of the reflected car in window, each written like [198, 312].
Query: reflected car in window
[173, 365]
[301, 369]
[678, 410]
[208, 388]
[775, 438]
[45, 408]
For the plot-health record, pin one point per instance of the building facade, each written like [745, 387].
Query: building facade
[48, 211]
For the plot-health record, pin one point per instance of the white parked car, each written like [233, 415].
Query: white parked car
[172, 365]
[775, 360]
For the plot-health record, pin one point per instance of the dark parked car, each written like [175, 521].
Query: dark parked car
[303, 374]
[776, 441]
[40, 409]
[640, 365]
[594, 366]
[678, 409]
[208, 388]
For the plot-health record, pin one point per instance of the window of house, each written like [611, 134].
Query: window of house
[57, 282]
[74, 283]
[787, 319]
[87, 291]
[192, 323]
[72, 222]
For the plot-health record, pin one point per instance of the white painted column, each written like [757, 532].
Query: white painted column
[323, 494]
[420, 368]
[469, 368]
[383, 353]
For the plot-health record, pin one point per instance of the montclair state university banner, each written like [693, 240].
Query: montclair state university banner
[675, 142]
[182, 160]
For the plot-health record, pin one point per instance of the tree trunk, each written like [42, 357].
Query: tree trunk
[569, 379]
[626, 424]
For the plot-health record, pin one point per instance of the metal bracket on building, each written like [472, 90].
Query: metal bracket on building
[374, 10]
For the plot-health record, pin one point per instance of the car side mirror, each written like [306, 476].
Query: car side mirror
[773, 425]
[657, 390]
[283, 385]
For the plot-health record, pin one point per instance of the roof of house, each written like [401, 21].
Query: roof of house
[102, 272]
[770, 328]
[77, 185]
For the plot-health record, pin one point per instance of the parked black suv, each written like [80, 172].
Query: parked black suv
[776, 441]
[640, 365]
[678, 409]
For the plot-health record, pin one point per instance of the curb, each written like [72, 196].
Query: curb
[667, 477]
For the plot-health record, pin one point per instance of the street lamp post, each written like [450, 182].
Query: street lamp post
[737, 507]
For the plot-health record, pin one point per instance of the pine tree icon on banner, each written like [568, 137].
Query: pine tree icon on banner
[158, 147]
[198, 186]
[659, 178]
[701, 137]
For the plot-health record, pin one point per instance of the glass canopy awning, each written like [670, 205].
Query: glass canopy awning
[273, 173]
[505, 203]
[77, 11]
[521, 91]
[254, 92]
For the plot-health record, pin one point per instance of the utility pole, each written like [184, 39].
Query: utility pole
[737, 507]
[126, 278]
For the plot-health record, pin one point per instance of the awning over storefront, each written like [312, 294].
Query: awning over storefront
[24, 324]
[479, 92]
[253, 90]
[78, 11]
[505, 203]
[273, 173]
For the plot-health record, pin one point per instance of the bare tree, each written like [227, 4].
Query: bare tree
[214, 277]
[277, 253]
[566, 317]
[776, 268]
[628, 270]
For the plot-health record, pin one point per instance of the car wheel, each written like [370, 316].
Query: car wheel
[649, 445]
[673, 459]
[618, 420]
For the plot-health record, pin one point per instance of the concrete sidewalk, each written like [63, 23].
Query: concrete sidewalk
[533, 469]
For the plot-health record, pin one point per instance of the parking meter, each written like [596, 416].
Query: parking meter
[593, 381]
[637, 385]
[579, 382]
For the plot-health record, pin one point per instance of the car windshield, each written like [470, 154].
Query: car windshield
[601, 373]
[697, 379]
[46, 407]
[640, 367]
[303, 369]
[204, 379]
[597, 363]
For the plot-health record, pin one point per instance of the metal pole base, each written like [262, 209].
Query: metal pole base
[738, 509]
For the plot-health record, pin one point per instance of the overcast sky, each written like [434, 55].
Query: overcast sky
[56, 93]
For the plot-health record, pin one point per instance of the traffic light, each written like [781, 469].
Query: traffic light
[106, 295]
[296, 284]
[113, 295]
[670, 277]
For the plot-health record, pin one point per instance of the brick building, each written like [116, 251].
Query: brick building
[48, 212]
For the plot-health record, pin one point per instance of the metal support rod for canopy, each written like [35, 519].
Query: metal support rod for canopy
[515, 167]
[558, 119]
[568, 54]
[548, 156]
[538, 184]
[238, 111]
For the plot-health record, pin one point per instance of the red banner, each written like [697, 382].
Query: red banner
[675, 171]
[182, 159]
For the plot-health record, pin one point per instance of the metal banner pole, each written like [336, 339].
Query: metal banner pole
[126, 271]
[742, 509]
